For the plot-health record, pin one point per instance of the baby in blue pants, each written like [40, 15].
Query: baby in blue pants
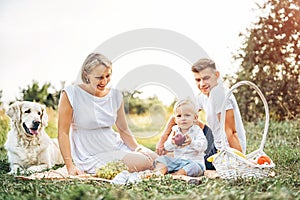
[187, 142]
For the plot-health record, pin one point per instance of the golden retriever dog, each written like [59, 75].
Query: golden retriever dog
[29, 148]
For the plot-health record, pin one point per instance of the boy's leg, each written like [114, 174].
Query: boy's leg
[168, 164]
[180, 172]
[209, 137]
[211, 149]
[193, 169]
[209, 165]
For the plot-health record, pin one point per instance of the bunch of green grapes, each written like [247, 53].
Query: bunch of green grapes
[111, 169]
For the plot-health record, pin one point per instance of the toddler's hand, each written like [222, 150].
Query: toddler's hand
[187, 141]
[179, 139]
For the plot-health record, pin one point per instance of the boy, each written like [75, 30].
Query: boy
[211, 98]
[187, 141]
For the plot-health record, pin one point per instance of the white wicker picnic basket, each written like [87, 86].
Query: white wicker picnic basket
[230, 165]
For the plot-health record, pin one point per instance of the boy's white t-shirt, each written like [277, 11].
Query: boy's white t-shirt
[195, 150]
[212, 105]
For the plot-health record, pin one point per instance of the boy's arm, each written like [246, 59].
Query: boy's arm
[200, 124]
[230, 130]
[168, 144]
[160, 150]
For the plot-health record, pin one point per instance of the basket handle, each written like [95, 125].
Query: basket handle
[222, 121]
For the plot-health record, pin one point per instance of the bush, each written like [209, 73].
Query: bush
[4, 127]
[51, 129]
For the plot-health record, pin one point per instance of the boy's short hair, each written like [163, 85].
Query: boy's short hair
[185, 101]
[202, 64]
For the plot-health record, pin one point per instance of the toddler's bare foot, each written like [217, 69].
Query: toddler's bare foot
[180, 172]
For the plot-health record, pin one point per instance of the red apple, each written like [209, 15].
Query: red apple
[179, 139]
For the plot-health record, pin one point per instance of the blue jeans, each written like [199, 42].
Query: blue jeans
[191, 167]
[211, 149]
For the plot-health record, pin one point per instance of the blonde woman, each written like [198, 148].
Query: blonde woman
[87, 112]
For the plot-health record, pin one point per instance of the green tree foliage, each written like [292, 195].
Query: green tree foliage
[270, 57]
[135, 105]
[41, 94]
[1, 92]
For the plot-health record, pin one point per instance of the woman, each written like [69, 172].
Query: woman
[88, 111]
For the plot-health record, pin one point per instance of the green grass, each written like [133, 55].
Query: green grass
[283, 146]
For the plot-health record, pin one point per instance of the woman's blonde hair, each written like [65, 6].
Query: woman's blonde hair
[93, 60]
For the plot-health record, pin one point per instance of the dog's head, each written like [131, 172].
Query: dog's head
[30, 117]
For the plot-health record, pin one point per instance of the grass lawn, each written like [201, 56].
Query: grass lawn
[283, 146]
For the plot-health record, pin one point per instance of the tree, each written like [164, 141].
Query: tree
[41, 95]
[270, 57]
[1, 92]
[133, 104]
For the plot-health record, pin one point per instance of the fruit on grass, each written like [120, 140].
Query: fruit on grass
[237, 152]
[111, 169]
[212, 157]
[179, 139]
[263, 159]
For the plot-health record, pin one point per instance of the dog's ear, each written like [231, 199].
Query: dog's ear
[14, 111]
[44, 116]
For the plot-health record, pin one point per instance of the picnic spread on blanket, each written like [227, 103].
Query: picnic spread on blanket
[229, 163]
[121, 178]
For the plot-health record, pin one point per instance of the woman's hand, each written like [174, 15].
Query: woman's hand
[73, 170]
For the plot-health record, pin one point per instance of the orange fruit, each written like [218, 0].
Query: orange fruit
[263, 159]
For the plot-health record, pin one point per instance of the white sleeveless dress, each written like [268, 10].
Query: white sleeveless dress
[93, 141]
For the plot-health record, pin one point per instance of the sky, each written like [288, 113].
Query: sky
[47, 41]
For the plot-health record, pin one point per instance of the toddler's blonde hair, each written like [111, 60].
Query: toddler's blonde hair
[185, 101]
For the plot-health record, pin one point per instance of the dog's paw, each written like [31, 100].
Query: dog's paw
[11, 172]
[16, 171]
